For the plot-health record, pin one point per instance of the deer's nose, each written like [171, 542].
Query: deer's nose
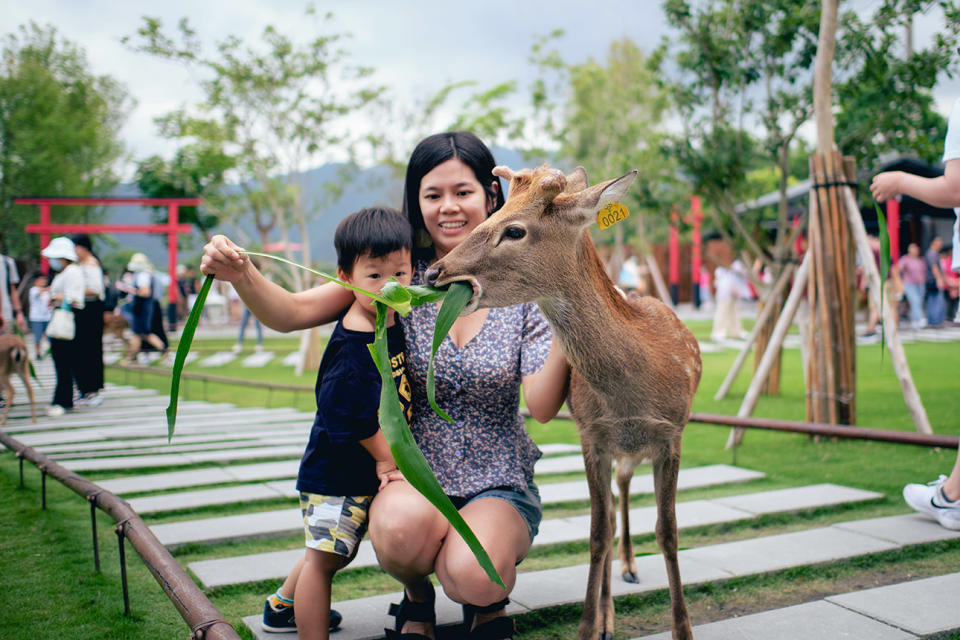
[431, 275]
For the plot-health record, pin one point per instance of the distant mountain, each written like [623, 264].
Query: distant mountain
[368, 187]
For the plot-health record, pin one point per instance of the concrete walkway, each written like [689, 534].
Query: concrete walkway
[365, 618]
[694, 513]
[907, 610]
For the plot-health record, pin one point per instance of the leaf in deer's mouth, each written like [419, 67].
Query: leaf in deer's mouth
[459, 293]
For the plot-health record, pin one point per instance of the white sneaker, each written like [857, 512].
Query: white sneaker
[92, 400]
[258, 348]
[237, 348]
[929, 499]
[55, 411]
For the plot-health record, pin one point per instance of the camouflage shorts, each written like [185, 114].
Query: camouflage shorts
[334, 524]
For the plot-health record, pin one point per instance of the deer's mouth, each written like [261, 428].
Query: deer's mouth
[474, 302]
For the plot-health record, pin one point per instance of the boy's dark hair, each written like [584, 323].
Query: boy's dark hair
[374, 231]
[435, 150]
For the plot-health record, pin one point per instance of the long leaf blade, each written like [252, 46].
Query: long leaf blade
[458, 295]
[884, 271]
[186, 338]
[407, 454]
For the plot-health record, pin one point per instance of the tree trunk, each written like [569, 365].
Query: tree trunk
[823, 76]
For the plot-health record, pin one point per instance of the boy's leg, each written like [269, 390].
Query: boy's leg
[312, 598]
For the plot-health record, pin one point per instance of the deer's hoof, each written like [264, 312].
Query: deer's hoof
[630, 576]
[605, 635]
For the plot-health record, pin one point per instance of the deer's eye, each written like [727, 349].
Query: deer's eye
[514, 233]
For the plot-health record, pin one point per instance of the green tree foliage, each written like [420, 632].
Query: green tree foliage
[279, 107]
[884, 90]
[59, 131]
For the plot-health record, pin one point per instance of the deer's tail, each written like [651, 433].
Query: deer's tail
[18, 354]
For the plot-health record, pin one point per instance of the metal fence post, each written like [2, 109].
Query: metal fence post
[123, 569]
[93, 525]
[20, 457]
[43, 488]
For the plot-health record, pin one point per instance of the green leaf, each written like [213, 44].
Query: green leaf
[407, 454]
[186, 338]
[456, 298]
[884, 270]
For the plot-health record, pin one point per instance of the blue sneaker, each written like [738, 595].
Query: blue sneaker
[282, 620]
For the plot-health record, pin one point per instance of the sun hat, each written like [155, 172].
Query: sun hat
[139, 262]
[61, 247]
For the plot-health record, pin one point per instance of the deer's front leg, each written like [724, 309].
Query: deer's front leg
[666, 466]
[598, 472]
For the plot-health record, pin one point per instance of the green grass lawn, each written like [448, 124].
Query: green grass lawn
[47, 564]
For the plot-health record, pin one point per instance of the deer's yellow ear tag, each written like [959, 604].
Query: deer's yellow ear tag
[611, 215]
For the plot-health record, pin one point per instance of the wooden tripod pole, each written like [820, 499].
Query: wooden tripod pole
[900, 366]
[757, 328]
[773, 346]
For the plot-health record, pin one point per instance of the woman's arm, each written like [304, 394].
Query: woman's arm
[942, 191]
[546, 390]
[273, 305]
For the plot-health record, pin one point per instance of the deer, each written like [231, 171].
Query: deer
[634, 365]
[14, 359]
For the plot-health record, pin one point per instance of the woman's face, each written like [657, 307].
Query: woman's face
[453, 203]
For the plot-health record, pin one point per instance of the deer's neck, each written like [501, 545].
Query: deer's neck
[592, 320]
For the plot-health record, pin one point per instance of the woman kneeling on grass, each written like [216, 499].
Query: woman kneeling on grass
[484, 459]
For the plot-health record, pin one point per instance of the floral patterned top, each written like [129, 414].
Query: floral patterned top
[478, 385]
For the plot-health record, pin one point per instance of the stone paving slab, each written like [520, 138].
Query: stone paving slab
[557, 449]
[820, 620]
[291, 359]
[923, 607]
[179, 459]
[223, 528]
[798, 498]
[218, 359]
[258, 359]
[154, 411]
[914, 528]
[567, 585]
[106, 444]
[559, 464]
[285, 437]
[203, 498]
[199, 477]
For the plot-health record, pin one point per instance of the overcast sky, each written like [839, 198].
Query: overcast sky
[415, 51]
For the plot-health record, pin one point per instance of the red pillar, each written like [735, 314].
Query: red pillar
[893, 228]
[173, 218]
[44, 237]
[696, 258]
[674, 257]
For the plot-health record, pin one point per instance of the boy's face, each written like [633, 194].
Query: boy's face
[40, 281]
[372, 273]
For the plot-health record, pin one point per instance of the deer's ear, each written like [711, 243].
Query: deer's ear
[582, 207]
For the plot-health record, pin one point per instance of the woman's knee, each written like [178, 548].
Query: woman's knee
[404, 528]
[465, 581]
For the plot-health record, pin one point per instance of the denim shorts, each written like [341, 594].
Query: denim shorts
[527, 503]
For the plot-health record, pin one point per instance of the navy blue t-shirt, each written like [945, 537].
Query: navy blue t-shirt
[348, 399]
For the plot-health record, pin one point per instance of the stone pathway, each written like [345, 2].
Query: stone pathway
[365, 618]
[694, 513]
[907, 610]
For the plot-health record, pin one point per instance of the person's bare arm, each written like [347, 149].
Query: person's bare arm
[273, 305]
[546, 390]
[376, 445]
[942, 191]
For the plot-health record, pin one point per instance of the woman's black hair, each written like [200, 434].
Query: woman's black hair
[374, 231]
[434, 151]
[83, 240]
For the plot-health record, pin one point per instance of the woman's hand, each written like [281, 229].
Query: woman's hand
[222, 258]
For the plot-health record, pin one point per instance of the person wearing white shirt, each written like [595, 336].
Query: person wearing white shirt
[66, 288]
[40, 311]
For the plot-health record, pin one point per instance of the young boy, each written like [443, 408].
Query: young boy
[40, 311]
[347, 459]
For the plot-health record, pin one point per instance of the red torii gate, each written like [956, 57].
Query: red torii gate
[172, 228]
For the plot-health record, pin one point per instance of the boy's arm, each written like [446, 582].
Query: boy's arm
[942, 191]
[376, 445]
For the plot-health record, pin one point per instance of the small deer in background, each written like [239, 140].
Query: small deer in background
[14, 359]
[635, 365]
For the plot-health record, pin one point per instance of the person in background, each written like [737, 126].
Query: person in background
[913, 272]
[40, 311]
[951, 291]
[731, 284]
[144, 307]
[934, 285]
[67, 288]
[939, 498]
[89, 323]
[10, 310]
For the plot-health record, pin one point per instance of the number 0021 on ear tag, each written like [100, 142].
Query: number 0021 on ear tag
[611, 215]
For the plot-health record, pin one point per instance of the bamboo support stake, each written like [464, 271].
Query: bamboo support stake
[765, 314]
[900, 365]
[776, 340]
[822, 355]
[662, 292]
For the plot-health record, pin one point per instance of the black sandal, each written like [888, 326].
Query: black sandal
[497, 629]
[414, 612]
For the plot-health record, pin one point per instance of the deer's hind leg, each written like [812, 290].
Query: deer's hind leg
[8, 392]
[597, 619]
[666, 466]
[625, 467]
[25, 376]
